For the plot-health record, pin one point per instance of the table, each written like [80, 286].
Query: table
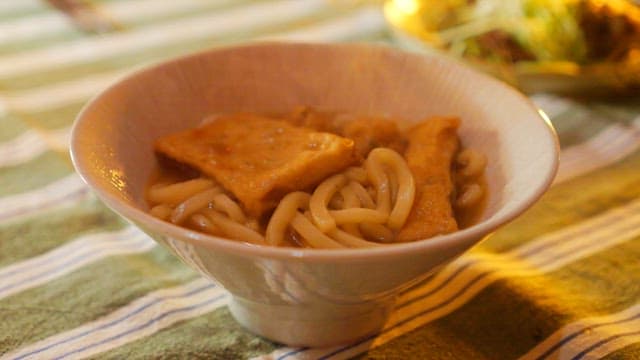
[560, 282]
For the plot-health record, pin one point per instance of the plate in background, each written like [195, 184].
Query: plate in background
[417, 25]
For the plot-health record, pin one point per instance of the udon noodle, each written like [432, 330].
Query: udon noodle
[366, 205]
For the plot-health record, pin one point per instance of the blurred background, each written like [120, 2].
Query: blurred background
[564, 46]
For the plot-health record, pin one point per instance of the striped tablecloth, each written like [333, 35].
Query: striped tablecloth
[561, 282]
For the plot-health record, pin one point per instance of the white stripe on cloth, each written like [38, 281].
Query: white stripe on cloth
[610, 145]
[64, 259]
[458, 283]
[361, 22]
[53, 22]
[590, 338]
[216, 24]
[138, 10]
[68, 189]
[22, 148]
[57, 139]
[59, 94]
[552, 105]
[140, 318]
[31, 144]
[28, 28]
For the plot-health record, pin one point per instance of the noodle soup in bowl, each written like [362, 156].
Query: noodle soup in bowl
[294, 295]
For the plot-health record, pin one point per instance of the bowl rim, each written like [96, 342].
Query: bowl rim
[465, 237]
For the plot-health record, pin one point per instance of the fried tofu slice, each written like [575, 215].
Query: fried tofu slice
[258, 159]
[432, 146]
[367, 132]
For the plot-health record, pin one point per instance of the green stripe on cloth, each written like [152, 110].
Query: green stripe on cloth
[85, 295]
[572, 201]
[28, 8]
[36, 235]
[10, 127]
[53, 119]
[525, 310]
[215, 335]
[35, 173]
[620, 110]
[626, 353]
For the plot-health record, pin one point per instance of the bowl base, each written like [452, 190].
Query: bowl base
[318, 325]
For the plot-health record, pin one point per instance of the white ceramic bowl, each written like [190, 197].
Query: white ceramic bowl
[305, 296]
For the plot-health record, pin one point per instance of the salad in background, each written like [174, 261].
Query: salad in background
[537, 45]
